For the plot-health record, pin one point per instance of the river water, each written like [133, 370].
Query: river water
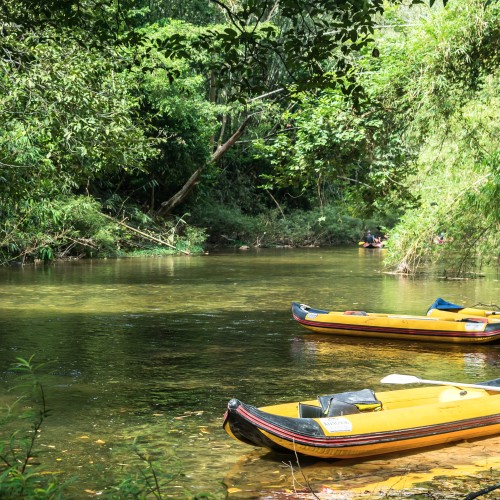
[148, 351]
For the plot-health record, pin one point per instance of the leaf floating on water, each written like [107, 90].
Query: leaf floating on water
[100, 441]
[189, 414]
[233, 490]
[84, 437]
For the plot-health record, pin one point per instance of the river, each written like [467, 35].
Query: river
[150, 350]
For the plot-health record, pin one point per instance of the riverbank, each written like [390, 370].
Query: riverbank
[82, 230]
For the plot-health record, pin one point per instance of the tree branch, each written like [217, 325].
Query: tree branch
[167, 206]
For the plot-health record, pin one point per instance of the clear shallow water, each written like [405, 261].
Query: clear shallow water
[153, 348]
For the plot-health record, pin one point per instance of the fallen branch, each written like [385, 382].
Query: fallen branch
[484, 491]
[145, 235]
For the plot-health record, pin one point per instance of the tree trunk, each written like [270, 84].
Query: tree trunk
[167, 206]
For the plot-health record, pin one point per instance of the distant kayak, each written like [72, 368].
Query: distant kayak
[437, 326]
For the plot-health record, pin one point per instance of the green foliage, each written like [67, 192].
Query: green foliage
[19, 477]
[184, 120]
[181, 237]
[92, 22]
[228, 226]
[46, 229]
[310, 42]
[339, 153]
[124, 102]
[198, 12]
[75, 226]
[67, 118]
[328, 226]
[456, 124]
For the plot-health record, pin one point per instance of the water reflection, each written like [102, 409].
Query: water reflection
[152, 349]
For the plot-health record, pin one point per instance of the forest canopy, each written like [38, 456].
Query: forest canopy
[130, 124]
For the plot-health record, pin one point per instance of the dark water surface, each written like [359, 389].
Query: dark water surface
[153, 348]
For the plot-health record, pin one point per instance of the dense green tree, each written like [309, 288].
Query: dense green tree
[197, 12]
[267, 48]
[92, 22]
[68, 118]
[449, 97]
[121, 102]
[339, 153]
[183, 121]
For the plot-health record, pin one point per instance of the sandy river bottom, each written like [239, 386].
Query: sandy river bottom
[444, 472]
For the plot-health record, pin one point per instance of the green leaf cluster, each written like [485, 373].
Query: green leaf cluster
[67, 118]
[451, 103]
[338, 152]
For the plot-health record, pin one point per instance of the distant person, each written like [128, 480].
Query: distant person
[440, 238]
[369, 238]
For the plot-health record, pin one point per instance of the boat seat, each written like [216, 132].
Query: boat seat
[337, 408]
[310, 411]
[343, 403]
[363, 400]
[355, 313]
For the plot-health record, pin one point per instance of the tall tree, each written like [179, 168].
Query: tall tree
[309, 43]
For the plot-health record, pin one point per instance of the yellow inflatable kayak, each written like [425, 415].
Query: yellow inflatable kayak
[362, 423]
[437, 326]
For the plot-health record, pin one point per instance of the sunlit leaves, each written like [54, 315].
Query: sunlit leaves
[335, 152]
[92, 22]
[67, 116]
[309, 41]
[455, 123]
